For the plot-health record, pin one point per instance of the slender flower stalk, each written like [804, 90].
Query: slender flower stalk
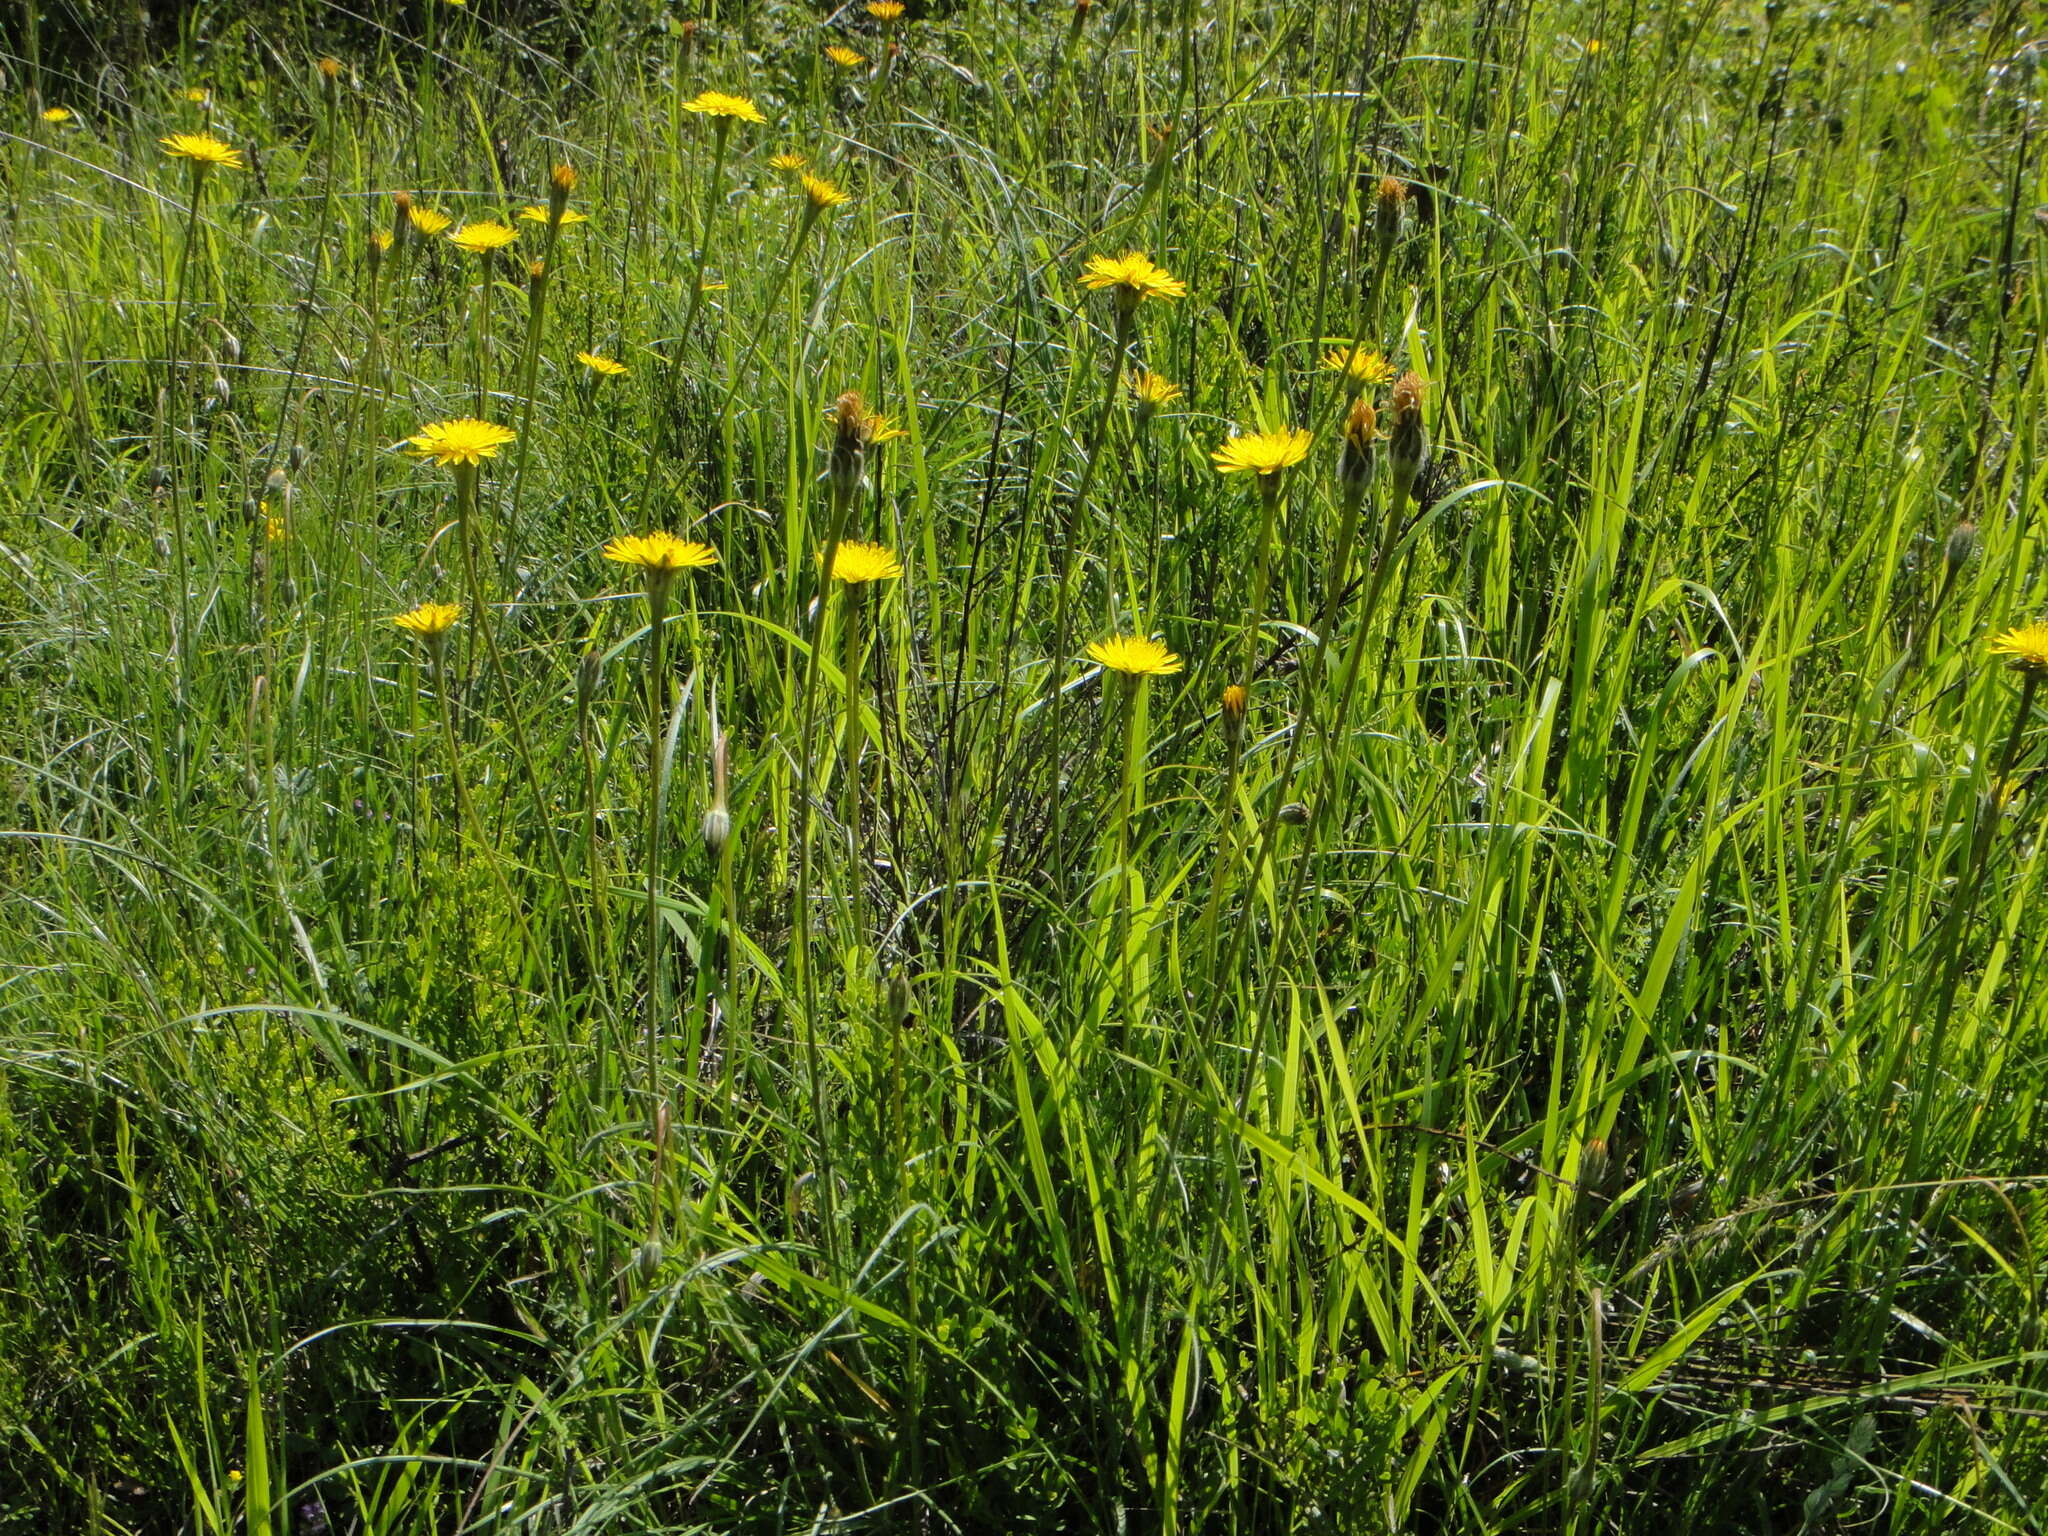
[660, 558]
[1267, 456]
[562, 182]
[1133, 660]
[204, 154]
[724, 111]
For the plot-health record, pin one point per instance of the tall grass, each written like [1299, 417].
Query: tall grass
[1564, 1056]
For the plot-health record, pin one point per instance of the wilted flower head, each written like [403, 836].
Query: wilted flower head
[720, 105]
[856, 563]
[1134, 656]
[855, 429]
[1263, 453]
[203, 150]
[463, 442]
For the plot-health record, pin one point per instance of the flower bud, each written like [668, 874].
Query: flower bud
[1408, 443]
[1387, 206]
[717, 826]
[1236, 699]
[902, 1005]
[561, 182]
[1361, 441]
[589, 673]
[401, 217]
[330, 71]
[1294, 814]
[849, 445]
[1962, 544]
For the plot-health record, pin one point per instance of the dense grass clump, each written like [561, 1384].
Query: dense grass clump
[1228, 767]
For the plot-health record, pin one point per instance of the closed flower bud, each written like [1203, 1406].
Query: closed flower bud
[1962, 544]
[1408, 443]
[902, 1006]
[561, 182]
[277, 486]
[1294, 814]
[1236, 699]
[1361, 441]
[1387, 206]
[330, 70]
[718, 820]
[589, 673]
[298, 456]
[849, 445]
[401, 217]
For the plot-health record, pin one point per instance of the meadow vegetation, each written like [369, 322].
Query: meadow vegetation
[1155, 767]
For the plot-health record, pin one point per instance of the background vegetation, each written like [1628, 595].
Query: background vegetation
[1572, 1062]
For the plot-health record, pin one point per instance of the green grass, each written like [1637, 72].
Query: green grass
[1571, 1064]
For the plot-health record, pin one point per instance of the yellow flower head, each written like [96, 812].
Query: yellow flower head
[199, 94]
[483, 237]
[1134, 276]
[845, 58]
[2025, 648]
[823, 194]
[856, 563]
[660, 554]
[1134, 656]
[1593, 45]
[1152, 390]
[790, 160]
[562, 179]
[430, 621]
[1361, 369]
[604, 367]
[886, 10]
[533, 213]
[56, 114]
[719, 104]
[428, 221]
[1263, 453]
[463, 441]
[381, 239]
[203, 150]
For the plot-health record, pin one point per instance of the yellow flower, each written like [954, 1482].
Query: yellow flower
[711, 285]
[1359, 367]
[718, 104]
[273, 523]
[1152, 390]
[463, 441]
[56, 114]
[198, 93]
[381, 238]
[660, 553]
[1134, 276]
[845, 58]
[886, 10]
[533, 213]
[1134, 656]
[430, 621]
[428, 221]
[202, 149]
[823, 194]
[2025, 648]
[602, 366]
[790, 160]
[1265, 453]
[856, 563]
[1593, 45]
[483, 237]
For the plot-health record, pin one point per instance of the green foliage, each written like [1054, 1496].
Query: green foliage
[1570, 1061]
